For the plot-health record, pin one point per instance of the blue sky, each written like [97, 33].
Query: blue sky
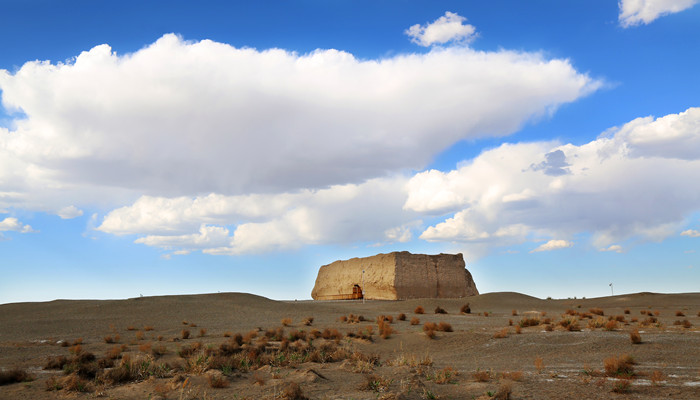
[152, 148]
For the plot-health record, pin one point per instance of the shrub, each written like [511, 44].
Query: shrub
[619, 366]
[56, 362]
[635, 338]
[504, 391]
[444, 375]
[185, 334]
[15, 375]
[444, 327]
[292, 391]
[482, 376]
[415, 321]
[539, 364]
[525, 322]
[145, 348]
[419, 310]
[621, 386]
[217, 381]
[611, 325]
[656, 377]
[440, 310]
[465, 309]
[503, 333]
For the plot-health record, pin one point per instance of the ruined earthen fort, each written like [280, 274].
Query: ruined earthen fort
[395, 276]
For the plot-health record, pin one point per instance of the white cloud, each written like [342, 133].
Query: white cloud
[691, 233]
[13, 224]
[70, 212]
[613, 247]
[450, 27]
[367, 212]
[636, 12]
[607, 187]
[179, 118]
[553, 244]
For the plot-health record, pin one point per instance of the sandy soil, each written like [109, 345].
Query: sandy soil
[464, 364]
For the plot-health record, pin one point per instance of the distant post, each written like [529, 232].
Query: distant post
[363, 286]
[611, 290]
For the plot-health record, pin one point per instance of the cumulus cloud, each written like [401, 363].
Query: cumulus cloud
[14, 225]
[70, 212]
[553, 244]
[636, 12]
[180, 118]
[635, 181]
[217, 224]
[691, 233]
[450, 27]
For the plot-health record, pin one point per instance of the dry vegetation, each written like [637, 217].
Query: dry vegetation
[295, 362]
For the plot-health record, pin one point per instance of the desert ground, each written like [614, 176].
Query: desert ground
[242, 346]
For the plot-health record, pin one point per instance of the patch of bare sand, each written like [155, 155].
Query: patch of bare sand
[410, 365]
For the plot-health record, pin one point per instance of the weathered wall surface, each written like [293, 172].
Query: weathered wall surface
[432, 276]
[338, 278]
[396, 276]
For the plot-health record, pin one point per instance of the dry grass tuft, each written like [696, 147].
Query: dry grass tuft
[619, 366]
[525, 322]
[621, 386]
[504, 391]
[444, 376]
[419, 310]
[635, 337]
[292, 391]
[14, 375]
[217, 381]
[657, 377]
[539, 364]
[611, 325]
[444, 327]
[503, 333]
[482, 376]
